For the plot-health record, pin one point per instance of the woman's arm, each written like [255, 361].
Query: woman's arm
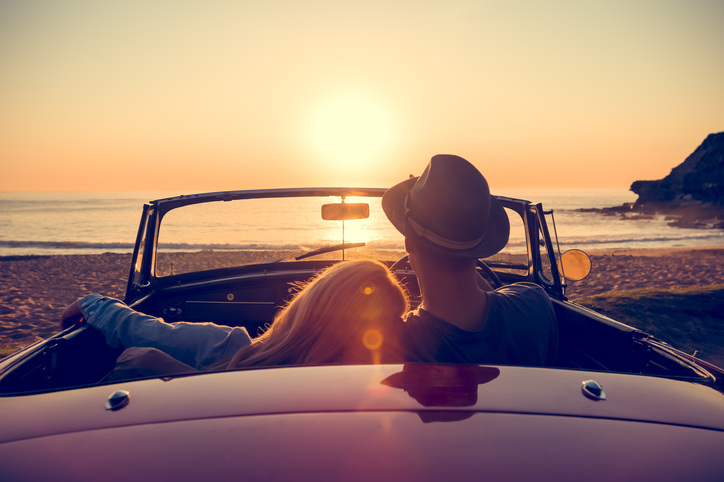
[72, 315]
[196, 344]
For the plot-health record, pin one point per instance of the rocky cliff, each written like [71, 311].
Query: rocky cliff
[697, 180]
[691, 196]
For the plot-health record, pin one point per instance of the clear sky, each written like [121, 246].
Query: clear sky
[213, 95]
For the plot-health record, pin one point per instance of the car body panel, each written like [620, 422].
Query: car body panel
[360, 388]
[342, 423]
[374, 446]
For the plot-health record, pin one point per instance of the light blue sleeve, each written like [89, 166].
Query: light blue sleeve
[196, 344]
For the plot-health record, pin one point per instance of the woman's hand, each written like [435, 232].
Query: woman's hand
[72, 315]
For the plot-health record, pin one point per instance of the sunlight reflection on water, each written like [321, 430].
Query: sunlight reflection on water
[97, 222]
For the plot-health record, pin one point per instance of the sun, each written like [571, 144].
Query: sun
[350, 128]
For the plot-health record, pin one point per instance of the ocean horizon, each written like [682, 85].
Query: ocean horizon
[94, 222]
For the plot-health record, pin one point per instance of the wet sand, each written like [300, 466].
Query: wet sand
[34, 290]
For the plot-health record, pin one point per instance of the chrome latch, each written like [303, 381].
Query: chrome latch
[118, 400]
[593, 390]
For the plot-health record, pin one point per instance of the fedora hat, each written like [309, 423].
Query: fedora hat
[449, 209]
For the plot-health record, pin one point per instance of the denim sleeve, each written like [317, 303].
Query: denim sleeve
[196, 344]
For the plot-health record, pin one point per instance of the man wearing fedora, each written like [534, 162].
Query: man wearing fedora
[450, 220]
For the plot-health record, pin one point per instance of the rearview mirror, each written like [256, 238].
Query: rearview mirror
[345, 211]
[575, 265]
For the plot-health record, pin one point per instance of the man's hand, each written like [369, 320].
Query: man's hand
[72, 315]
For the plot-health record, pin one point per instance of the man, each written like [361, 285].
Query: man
[450, 220]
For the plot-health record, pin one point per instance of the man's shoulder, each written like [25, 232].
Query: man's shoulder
[418, 317]
[428, 338]
[421, 324]
[520, 301]
[522, 289]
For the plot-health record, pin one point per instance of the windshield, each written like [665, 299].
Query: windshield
[212, 235]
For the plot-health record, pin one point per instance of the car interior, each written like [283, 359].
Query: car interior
[249, 295]
[242, 297]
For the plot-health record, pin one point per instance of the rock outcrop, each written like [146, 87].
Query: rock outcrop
[700, 178]
[691, 196]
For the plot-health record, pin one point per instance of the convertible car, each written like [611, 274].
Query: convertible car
[617, 404]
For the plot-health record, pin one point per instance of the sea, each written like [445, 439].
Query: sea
[61, 222]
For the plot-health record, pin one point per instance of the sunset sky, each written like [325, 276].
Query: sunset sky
[214, 95]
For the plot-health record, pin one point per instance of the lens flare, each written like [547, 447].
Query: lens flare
[372, 339]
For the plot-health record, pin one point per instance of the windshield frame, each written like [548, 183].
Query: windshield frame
[143, 278]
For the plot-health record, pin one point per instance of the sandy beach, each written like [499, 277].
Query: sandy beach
[627, 269]
[34, 290]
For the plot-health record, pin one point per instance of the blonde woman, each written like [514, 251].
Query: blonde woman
[348, 313]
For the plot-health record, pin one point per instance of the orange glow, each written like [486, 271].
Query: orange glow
[348, 130]
[243, 95]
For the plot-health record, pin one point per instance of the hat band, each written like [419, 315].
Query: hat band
[440, 241]
[436, 238]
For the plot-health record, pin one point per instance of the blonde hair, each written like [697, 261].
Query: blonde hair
[348, 313]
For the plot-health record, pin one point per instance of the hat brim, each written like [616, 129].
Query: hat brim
[496, 234]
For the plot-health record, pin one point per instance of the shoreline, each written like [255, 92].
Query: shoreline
[35, 289]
